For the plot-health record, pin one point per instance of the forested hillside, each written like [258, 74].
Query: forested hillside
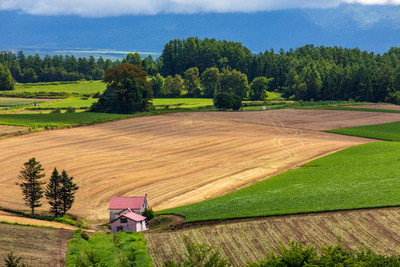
[201, 68]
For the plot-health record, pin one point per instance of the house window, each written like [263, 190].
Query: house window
[123, 220]
[120, 228]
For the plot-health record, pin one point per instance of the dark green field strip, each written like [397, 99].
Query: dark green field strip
[58, 120]
[359, 177]
[387, 131]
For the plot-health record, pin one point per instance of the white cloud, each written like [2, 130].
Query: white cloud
[103, 8]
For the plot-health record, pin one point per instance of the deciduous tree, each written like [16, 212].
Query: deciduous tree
[128, 91]
[6, 80]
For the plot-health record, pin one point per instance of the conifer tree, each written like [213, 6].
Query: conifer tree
[67, 192]
[53, 192]
[31, 186]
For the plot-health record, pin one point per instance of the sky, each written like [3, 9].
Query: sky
[108, 8]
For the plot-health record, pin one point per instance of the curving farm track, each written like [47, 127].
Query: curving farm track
[177, 158]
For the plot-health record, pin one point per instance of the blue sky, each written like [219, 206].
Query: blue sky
[107, 8]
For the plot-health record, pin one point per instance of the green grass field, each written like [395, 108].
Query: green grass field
[81, 87]
[387, 131]
[49, 120]
[68, 102]
[359, 177]
[10, 102]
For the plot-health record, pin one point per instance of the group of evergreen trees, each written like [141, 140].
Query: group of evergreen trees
[309, 72]
[60, 189]
[203, 68]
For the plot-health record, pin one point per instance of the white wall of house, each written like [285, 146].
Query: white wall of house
[130, 225]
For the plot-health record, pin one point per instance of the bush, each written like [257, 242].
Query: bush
[70, 110]
[56, 111]
[199, 255]
[65, 220]
[102, 249]
[149, 214]
[225, 101]
[13, 261]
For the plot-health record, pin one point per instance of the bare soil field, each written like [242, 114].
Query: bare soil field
[7, 129]
[36, 246]
[249, 240]
[178, 158]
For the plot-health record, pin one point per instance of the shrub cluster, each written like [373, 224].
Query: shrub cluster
[102, 249]
[225, 101]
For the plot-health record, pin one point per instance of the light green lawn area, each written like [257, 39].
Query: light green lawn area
[69, 102]
[364, 176]
[81, 87]
[51, 120]
[183, 102]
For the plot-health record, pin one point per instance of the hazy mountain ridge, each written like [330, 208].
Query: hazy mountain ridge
[363, 17]
[372, 28]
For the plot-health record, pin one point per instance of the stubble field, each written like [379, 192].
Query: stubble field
[251, 239]
[36, 246]
[178, 158]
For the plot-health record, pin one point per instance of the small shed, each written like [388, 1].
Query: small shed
[135, 204]
[129, 221]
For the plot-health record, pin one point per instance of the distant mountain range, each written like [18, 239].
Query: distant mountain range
[371, 28]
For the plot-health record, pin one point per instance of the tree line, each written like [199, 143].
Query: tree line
[202, 68]
[33, 68]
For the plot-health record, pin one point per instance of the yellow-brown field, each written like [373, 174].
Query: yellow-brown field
[250, 240]
[177, 158]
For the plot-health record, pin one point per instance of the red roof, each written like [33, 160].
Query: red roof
[121, 203]
[132, 216]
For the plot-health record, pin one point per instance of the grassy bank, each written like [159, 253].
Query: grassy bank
[387, 131]
[344, 180]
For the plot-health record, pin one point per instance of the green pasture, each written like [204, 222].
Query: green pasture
[364, 176]
[79, 88]
[68, 102]
[10, 102]
[51, 120]
[387, 131]
[182, 102]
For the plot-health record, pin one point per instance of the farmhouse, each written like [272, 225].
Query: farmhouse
[134, 204]
[129, 221]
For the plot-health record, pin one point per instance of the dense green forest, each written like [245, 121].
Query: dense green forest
[201, 68]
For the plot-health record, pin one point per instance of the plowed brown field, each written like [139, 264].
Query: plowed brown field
[177, 158]
[249, 240]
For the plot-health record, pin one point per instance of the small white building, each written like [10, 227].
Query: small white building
[128, 220]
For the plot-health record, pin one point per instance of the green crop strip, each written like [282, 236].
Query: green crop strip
[359, 177]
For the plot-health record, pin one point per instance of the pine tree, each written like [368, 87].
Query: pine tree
[31, 186]
[53, 193]
[67, 191]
